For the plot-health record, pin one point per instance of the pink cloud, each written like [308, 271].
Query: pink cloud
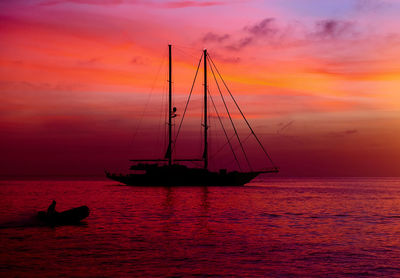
[167, 4]
[187, 4]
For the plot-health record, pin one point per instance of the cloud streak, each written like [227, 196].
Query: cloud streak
[343, 133]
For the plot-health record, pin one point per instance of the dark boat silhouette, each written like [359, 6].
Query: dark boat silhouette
[71, 216]
[168, 171]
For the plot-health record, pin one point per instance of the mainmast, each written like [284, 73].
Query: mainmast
[205, 153]
[169, 150]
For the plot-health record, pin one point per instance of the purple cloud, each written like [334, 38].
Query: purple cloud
[241, 43]
[331, 29]
[213, 37]
[264, 28]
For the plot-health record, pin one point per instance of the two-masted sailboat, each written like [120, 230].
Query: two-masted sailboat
[169, 172]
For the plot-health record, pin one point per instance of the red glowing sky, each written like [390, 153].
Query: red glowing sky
[319, 81]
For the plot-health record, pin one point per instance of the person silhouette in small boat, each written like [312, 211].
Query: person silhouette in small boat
[51, 211]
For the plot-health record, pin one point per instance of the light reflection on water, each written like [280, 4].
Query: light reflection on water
[276, 227]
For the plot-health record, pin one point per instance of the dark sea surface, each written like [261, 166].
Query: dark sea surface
[271, 228]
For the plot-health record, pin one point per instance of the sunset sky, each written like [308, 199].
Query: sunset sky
[83, 82]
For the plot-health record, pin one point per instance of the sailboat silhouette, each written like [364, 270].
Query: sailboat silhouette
[168, 171]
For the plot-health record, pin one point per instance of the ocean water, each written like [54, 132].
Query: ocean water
[271, 228]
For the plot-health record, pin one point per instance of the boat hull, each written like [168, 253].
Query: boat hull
[168, 176]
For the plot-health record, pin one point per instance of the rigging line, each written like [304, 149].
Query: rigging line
[230, 118]
[240, 110]
[187, 103]
[188, 47]
[201, 133]
[215, 154]
[221, 148]
[223, 128]
[165, 114]
[162, 118]
[136, 131]
[159, 131]
[185, 52]
[248, 136]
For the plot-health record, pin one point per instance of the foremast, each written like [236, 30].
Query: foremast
[205, 153]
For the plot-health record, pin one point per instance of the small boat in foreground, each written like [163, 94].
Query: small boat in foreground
[71, 216]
